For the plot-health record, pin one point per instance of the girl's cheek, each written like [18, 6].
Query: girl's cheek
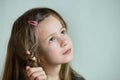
[54, 44]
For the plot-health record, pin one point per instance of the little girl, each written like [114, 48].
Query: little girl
[39, 48]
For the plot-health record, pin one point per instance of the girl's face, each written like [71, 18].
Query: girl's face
[56, 45]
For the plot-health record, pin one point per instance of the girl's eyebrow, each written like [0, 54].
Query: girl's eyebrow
[53, 33]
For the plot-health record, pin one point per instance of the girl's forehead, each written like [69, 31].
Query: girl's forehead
[49, 22]
[49, 26]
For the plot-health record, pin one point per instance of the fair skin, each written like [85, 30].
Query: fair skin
[56, 49]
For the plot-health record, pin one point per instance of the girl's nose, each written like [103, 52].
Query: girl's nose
[64, 42]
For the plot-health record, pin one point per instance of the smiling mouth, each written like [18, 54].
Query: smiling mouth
[67, 51]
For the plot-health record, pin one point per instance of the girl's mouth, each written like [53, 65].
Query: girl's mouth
[67, 51]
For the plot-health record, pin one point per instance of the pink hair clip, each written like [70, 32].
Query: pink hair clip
[34, 23]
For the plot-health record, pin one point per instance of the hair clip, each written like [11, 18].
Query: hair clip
[34, 23]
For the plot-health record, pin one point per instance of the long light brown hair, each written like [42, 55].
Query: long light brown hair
[23, 38]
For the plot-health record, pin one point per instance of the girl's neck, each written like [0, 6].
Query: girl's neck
[52, 71]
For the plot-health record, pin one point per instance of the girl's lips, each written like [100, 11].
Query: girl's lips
[67, 51]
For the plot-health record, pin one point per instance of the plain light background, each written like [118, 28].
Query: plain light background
[94, 26]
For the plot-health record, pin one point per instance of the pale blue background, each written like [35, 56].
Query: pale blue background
[94, 26]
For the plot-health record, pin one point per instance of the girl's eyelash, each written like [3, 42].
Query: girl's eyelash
[63, 31]
[52, 39]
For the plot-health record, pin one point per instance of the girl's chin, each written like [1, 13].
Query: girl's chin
[68, 60]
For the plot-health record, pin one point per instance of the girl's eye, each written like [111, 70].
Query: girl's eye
[63, 32]
[52, 39]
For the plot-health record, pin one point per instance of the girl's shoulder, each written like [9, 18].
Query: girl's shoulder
[79, 78]
[76, 76]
